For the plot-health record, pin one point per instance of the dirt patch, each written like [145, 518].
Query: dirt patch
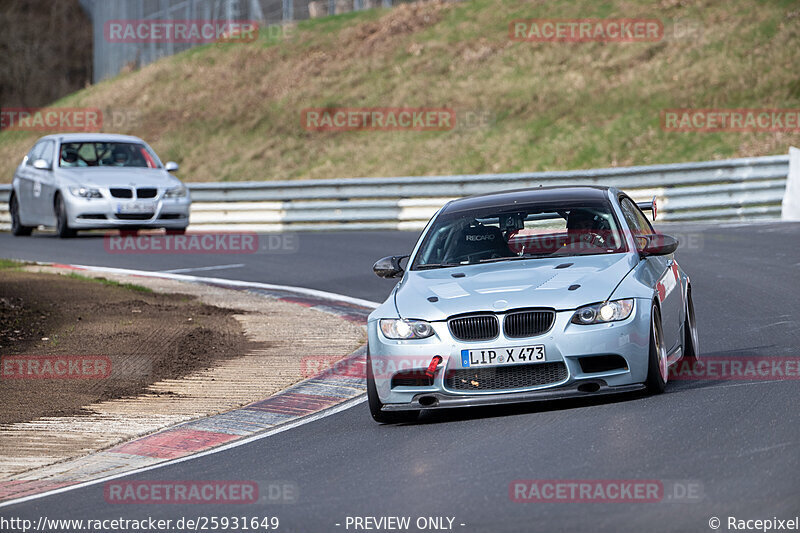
[147, 337]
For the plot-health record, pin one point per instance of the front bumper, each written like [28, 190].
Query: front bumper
[576, 390]
[565, 342]
[98, 213]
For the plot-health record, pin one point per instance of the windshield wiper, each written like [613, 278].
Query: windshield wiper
[436, 265]
[513, 257]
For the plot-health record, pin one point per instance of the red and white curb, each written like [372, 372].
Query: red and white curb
[305, 402]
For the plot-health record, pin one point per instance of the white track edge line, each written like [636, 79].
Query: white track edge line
[347, 404]
[230, 282]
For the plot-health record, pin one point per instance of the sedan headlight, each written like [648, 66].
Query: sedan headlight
[405, 329]
[85, 192]
[604, 312]
[176, 192]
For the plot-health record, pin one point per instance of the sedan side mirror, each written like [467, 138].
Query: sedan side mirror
[171, 166]
[41, 164]
[659, 244]
[389, 267]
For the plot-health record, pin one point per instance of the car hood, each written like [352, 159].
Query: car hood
[511, 284]
[132, 177]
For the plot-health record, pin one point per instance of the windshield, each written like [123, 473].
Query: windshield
[107, 154]
[519, 231]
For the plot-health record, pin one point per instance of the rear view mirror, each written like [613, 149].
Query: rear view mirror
[659, 244]
[171, 166]
[389, 267]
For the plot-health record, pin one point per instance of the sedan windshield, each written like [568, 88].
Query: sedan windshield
[107, 154]
[520, 231]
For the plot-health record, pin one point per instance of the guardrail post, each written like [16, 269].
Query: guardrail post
[790, 207]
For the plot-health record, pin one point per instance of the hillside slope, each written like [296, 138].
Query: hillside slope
[232, 111]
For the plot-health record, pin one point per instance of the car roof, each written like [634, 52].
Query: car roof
[567, 193]
[90, 137]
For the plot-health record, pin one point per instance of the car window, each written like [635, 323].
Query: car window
[515, 231]
[107, 154]
[35, 152]
[636, 220]
[47, 152]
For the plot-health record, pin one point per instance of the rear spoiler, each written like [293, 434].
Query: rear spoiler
[648, 206]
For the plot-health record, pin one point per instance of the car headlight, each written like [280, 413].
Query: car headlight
[85, 192]
[603, 312]
[405, 329]
[176, 192]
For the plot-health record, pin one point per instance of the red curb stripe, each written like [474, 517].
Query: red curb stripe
[295, 403]
[175, 443]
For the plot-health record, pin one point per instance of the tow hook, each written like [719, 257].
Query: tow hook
[431, 370]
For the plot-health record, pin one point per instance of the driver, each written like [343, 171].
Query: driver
[69, 157]
[584, 226]
[120, 157]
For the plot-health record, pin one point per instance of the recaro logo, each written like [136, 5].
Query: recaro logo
[480, 237]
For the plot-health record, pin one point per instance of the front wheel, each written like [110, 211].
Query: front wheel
[657, 367]
[375, 404]
[17, 229]
[62, 224]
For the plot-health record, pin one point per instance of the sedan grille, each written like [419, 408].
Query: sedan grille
[135, 216]
[528, 323]
[146, 192]
[119, 192]
[505, 377]
[474, 328]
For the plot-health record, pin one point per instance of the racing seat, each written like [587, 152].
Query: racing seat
[479, 242]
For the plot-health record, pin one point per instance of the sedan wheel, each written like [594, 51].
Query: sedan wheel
[62, 225]
[17, 229]
[658, 370]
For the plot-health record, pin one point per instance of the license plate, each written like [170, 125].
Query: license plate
[503, 356]
[136, 208]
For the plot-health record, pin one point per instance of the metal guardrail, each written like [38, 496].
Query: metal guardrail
[731, 189]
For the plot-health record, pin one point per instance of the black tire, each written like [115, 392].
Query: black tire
[62, 225]
[691, 345]
[17, 229]
[657, 370]
[375, 405]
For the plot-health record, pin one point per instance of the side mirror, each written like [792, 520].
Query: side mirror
[659, 244]
[389, 267]
[171, 166]
[41, 164]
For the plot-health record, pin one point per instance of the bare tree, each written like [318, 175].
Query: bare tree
[45, 51]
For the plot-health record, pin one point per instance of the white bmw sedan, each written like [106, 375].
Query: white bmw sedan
[93, 181]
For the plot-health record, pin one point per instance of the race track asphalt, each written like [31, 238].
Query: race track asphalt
[735, 444]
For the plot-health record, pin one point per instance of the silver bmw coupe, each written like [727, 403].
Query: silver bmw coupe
[529, 295]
